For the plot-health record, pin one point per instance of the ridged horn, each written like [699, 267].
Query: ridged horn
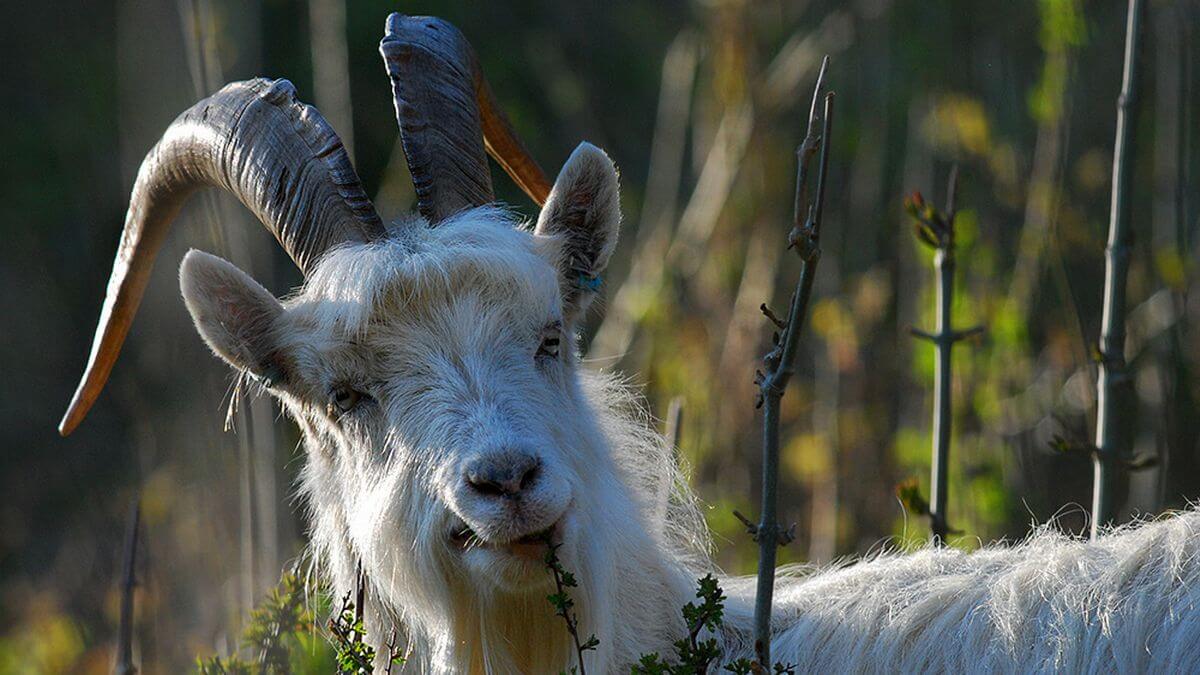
[277, 155]
[448, 116]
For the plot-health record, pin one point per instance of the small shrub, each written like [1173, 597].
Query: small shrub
[282, 638]
[693, 655]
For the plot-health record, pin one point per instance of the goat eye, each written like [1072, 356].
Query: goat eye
[342, 400]
[549, 347]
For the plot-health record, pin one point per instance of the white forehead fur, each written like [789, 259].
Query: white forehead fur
[482, 248]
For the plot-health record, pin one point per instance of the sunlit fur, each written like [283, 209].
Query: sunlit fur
[440, 327]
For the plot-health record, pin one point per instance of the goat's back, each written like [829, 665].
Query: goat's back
[1128, 602]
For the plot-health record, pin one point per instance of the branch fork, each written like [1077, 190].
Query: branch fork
[783, 536]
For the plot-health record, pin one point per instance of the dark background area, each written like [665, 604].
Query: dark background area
[700, 104]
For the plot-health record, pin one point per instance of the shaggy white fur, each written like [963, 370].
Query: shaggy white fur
[408, 362]
[1126, 603]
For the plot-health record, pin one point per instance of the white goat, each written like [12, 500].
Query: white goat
[450, 429]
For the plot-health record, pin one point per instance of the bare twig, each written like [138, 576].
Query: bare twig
[936, 229]
[770, 314]
[783, 537]
[124, 664]
[393, 651]
[804, 238]
[674, 430]
[360, 595]
[1114, 429]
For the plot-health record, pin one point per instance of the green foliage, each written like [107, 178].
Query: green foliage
[693, 655]
[270, 636]
[352, 653]
[563, 604]
[281, 638]
[909, 494]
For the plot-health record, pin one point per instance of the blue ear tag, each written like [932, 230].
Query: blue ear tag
[588, 283]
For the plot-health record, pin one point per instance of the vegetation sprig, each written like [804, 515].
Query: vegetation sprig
[694, 655]
[281, 629]
[563, 605]
[281, 615]
[935, 229]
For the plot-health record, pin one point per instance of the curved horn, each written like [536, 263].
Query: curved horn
[275, 154]
[446, 113]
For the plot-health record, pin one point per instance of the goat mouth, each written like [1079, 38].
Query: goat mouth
[532, 545]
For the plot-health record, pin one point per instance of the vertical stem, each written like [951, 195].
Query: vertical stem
[666, 482]
[124, 664]
[937, 230]
[674, 423]
[360, 597]
[775, 381]
[768, 527]
[246, 521]
[767, 531]
[1113, 428]
[939, 482]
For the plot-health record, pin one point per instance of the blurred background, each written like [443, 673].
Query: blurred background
[701, 103]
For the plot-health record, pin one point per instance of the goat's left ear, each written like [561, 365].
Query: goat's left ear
[584, 213]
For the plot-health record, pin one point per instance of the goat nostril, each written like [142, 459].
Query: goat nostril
[503, 480]
[531, 475]
[486, 486]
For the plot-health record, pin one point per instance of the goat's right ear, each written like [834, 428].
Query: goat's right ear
[234, 314]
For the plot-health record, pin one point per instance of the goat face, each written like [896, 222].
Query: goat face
[433, 375]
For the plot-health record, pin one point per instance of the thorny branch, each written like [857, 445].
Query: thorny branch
[779, 363]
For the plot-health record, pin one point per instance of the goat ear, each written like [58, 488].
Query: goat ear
[235, 315]
[583, 211]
